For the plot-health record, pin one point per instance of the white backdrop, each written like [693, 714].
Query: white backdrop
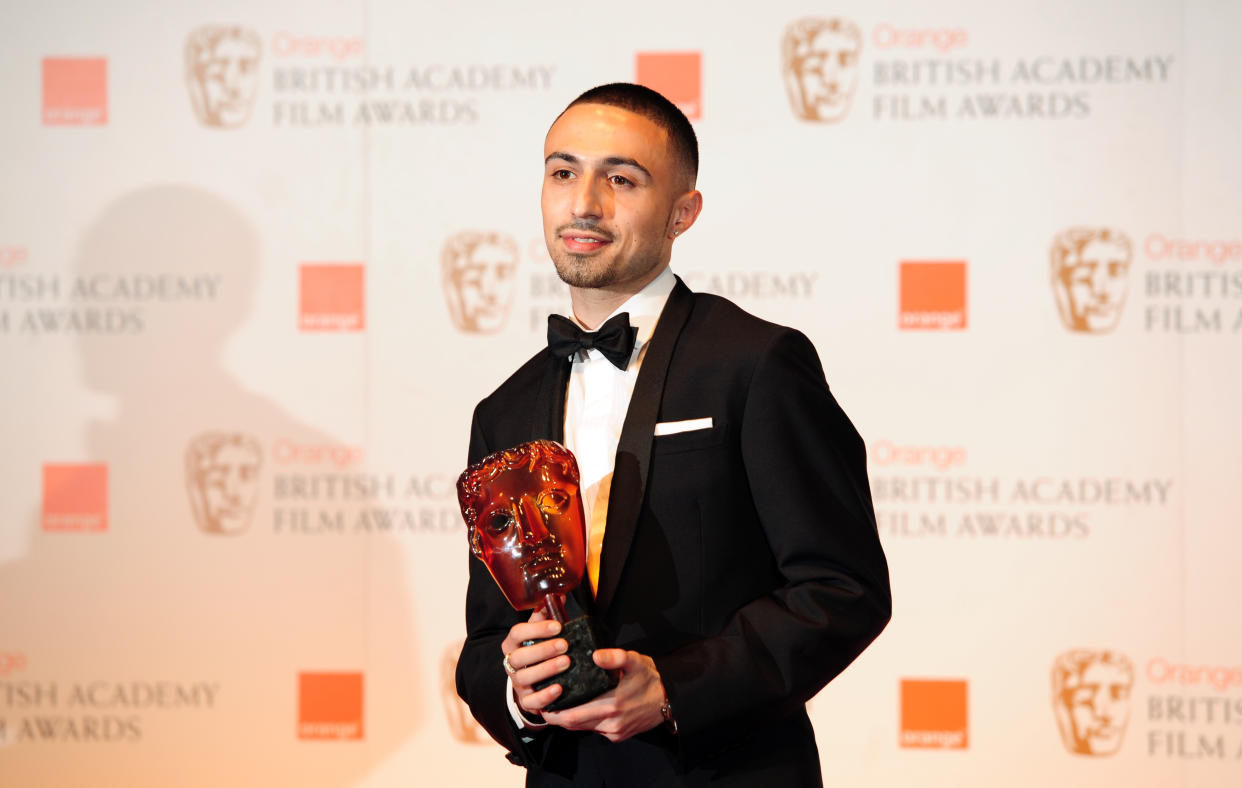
[236, 392]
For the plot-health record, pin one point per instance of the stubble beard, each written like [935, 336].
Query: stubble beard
[587, 271]
[576, 270]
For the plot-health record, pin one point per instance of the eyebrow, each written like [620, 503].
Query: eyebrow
[609, 161]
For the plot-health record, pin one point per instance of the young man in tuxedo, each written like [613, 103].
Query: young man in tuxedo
[733, 554]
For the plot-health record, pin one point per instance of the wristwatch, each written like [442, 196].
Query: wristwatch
[666, 711]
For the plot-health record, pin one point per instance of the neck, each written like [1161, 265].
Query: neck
[593, 305]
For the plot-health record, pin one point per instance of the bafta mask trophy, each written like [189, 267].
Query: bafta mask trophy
[525, 522]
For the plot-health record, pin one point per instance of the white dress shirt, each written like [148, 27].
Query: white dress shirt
[595, 406]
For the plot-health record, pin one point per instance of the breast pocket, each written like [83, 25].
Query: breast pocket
[690, 440]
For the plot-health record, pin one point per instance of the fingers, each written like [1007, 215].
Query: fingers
[529, 665]
[527, 630]
[631, 708]
[525, 679]
[587, 716]
[613, 658]
[539, 669]
[536, 702]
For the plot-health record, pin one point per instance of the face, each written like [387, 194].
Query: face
[230, 485]
[612, 198]
[1092, 284]
[1092, 701]
[479, 281]
[226, 75]
[227, 485]
[528, 527]
[1095, 707]
[822, 70]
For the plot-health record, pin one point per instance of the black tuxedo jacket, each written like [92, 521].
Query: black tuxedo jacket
[743, 558]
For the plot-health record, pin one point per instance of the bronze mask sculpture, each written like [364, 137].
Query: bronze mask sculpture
[524, 520]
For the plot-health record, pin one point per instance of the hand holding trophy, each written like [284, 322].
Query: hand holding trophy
[524, 520]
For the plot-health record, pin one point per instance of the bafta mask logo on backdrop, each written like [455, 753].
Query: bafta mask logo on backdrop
[222, 74]
[477, 271]
[75, 497]
[934, 714]
[820, 61]
[1091, 700]
[678, 76]
[222, 479]
[330, 706]
[461, 722]
[1090, 277]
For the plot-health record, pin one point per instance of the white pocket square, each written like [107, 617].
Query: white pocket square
[674, 427]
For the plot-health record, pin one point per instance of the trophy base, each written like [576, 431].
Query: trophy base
[583, 680]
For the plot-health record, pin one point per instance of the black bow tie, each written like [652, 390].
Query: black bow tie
[615, 339]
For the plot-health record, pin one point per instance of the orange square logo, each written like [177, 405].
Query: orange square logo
[332, 297]
[75, 497]
[330, 706]
[933, 296]
[933, 714]
[678, 76]
[75, 91]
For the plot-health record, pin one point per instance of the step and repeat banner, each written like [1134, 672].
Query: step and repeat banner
[259, 260]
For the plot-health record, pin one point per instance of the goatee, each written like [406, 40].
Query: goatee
[576, 270]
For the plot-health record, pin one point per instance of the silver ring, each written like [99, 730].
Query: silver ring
[508, 665]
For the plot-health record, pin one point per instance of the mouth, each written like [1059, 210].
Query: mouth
[541, 561]
[580, 242]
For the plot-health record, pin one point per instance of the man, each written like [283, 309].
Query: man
[732, 550]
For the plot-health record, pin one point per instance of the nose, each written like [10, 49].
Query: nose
[489, 285]
[1104, 705]
[1099, 280]
[531, 519]
[588, 202]
[231, 486]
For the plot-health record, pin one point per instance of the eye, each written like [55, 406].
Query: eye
[620, 180]
[499, 522]
[561, 175]
[553, 501]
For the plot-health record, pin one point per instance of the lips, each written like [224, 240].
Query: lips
[539, 557]
[580, 242]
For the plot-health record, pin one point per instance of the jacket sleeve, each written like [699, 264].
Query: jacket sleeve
[806, 466]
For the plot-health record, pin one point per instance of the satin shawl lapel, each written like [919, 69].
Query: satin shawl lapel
[548, 418]
[629, 475]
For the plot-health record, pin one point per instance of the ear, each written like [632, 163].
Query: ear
[475, 546]
[686, 209]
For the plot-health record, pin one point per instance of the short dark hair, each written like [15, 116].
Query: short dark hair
[656, 108]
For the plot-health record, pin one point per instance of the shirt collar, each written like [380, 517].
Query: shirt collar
[645, 306]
